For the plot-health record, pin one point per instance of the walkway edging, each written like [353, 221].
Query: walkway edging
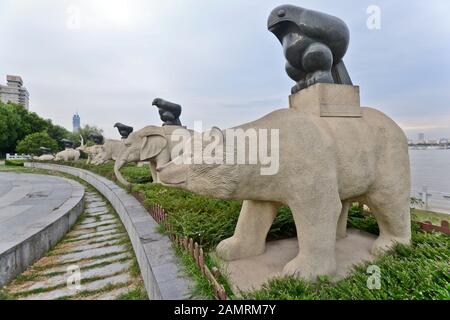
[19, 257]
[160, 268]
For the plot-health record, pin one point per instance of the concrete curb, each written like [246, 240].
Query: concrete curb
[19, 257]
[160, 268]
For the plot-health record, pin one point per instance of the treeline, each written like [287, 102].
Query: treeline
[22, 131]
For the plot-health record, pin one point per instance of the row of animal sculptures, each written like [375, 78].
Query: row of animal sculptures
[325, 163]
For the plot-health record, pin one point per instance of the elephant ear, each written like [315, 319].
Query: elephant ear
[152, 145]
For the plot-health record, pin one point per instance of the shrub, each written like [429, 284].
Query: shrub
[31, 143]
[14, 163]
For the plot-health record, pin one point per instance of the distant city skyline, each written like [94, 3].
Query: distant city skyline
[109, 59]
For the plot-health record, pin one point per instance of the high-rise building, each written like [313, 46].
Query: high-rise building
[76, 122]
[14, 91]
[421, 137]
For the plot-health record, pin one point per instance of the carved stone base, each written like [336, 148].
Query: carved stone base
[328, 100]
[252, 272]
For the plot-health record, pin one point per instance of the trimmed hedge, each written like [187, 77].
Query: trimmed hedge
[14, 163]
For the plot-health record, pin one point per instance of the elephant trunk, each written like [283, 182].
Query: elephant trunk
[120, 162]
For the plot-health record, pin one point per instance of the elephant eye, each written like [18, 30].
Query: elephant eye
[281, 13]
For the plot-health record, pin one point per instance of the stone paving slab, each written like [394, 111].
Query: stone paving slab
[108, 270]
[105, 217]
[96, 211]
[105, 228]
[85, 247]
[123, 278]
[97, 224]
[93, 234]
[96, 204]
[92, 253]
[88, 263]
[112, 295]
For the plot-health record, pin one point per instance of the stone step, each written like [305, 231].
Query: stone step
[87, 246]
[107, 227]
[96, 211]
[95, 204]
[107, 270]
[91, 254]
[88, 263]
[93, 234]
[96, 224]
[123, 278]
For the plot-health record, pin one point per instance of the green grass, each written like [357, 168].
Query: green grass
[206, 220]
[407, 273]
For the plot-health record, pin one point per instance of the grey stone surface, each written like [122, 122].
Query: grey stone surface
[89, 263]
[36, 211]
[96, 211]
[84, 247]
[123, 278]
[112, 295]
[94, 234]
[108, 270]
[89, 254]
[132, 215]
[96, 224]
[107, 227]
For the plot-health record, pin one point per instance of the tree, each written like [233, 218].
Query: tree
[16, 123]
[85, 132]
[10, 123]
[58, 133]
[31, 143]
[30, 122]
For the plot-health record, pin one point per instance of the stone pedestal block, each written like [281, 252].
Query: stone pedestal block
[328, 100]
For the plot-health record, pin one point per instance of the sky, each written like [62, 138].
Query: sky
[108, 59]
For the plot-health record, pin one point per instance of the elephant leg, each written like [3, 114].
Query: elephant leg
[341, 231]
[153, 172]
[316, 222]
[393, 216]
[249, 239]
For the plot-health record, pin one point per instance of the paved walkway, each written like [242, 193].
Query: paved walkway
[97, 251]
[28, 203]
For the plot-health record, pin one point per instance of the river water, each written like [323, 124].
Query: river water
[431, 168]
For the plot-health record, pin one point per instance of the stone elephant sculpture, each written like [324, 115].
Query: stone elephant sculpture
[325, 163]
[68, 155]
[91, 152]
[44, 157]
[109, 151]
[151, 143]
